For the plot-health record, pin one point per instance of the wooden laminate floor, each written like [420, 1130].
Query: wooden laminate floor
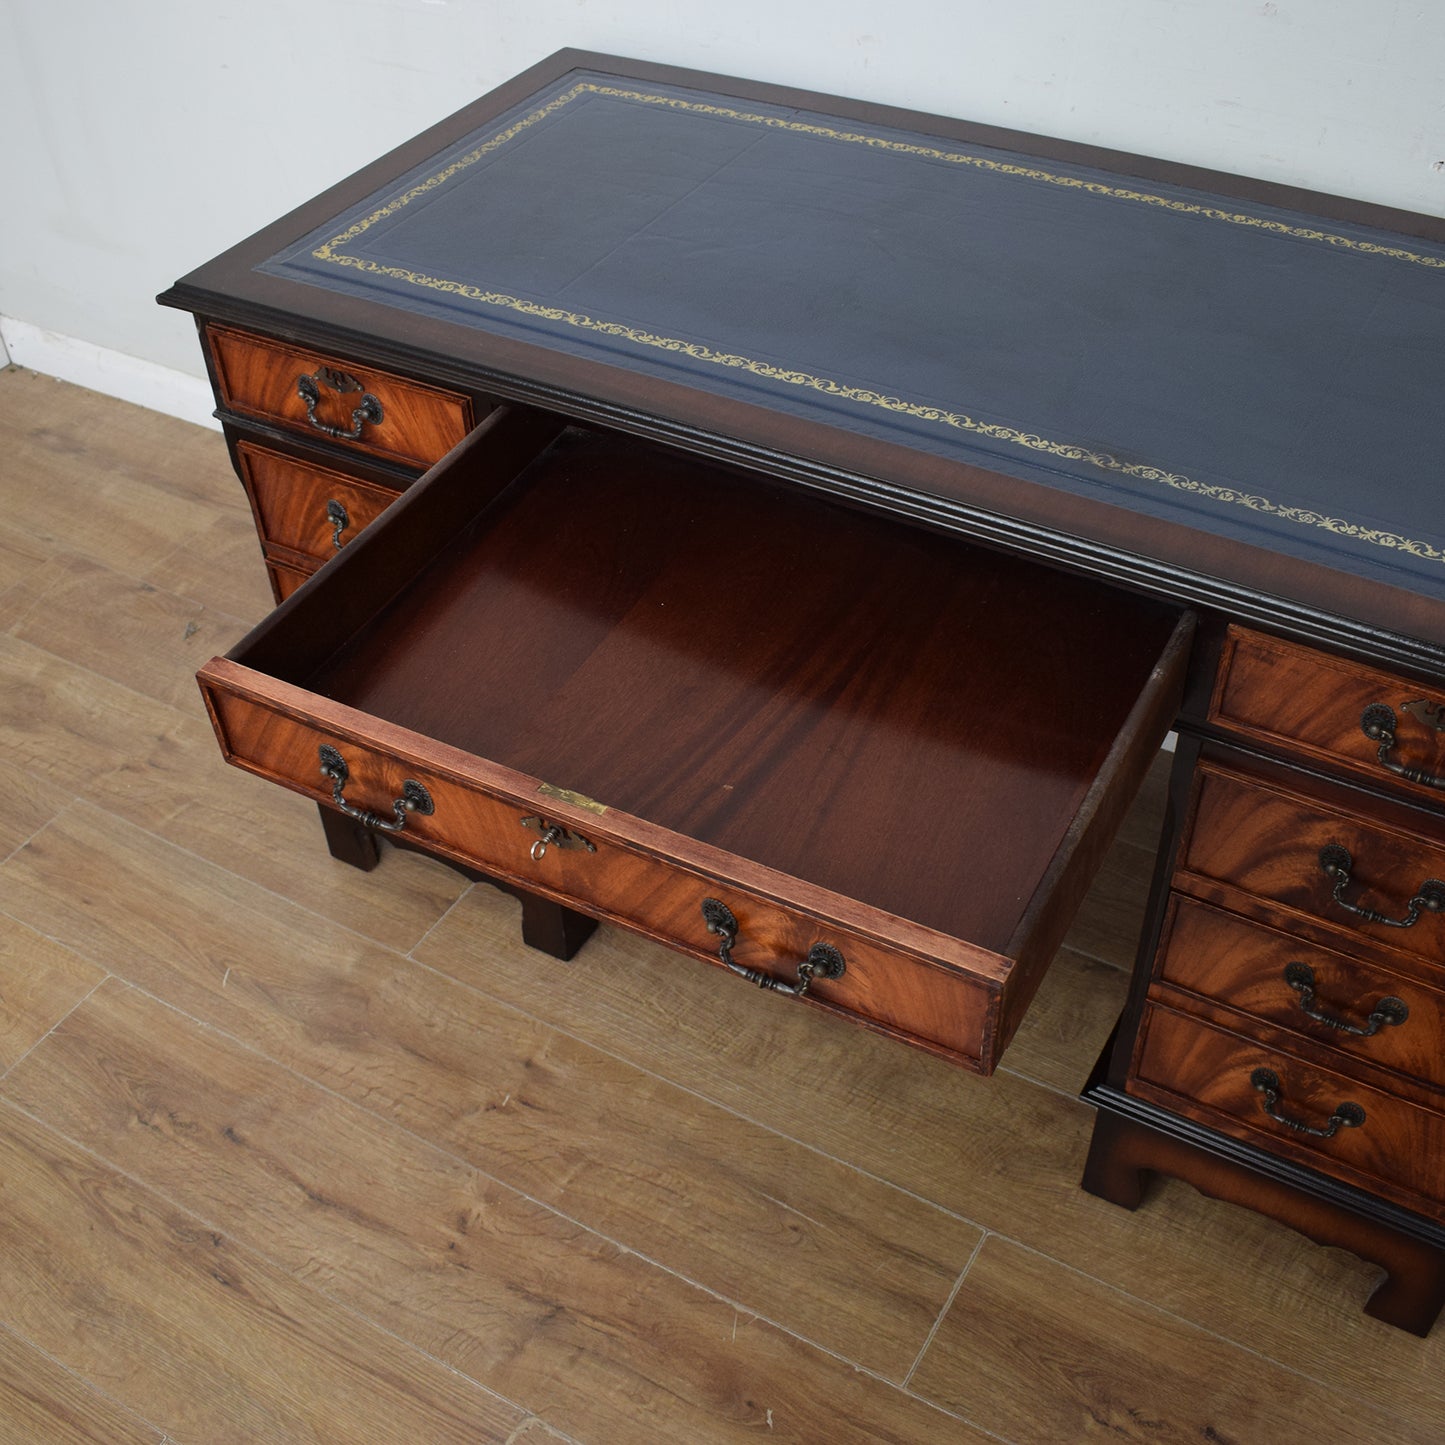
[293, 1153]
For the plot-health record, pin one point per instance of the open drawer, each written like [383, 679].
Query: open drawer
[724, 714]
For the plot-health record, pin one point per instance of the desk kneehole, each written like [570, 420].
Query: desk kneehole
[837, 731]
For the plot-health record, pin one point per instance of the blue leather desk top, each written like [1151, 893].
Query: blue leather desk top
[1248, 371]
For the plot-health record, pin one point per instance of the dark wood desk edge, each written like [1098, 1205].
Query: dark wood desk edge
[1310, 602]
[1304, 601]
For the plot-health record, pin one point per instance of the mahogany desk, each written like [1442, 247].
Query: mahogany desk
[838, 506]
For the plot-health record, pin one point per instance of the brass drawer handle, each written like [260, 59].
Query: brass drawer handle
[368, 409]
[1377, 722]
[414, 798]
[1345, 1116]
[823, 959]
[554, 836]
[1337, 864]
[1388, 1012]
[339, 520]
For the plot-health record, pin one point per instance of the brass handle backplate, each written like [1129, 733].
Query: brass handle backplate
[822, 961]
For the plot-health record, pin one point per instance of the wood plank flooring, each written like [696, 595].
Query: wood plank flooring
[294, 1153]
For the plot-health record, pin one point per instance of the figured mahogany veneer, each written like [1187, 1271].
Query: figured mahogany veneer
[1256, 847]
[289, 499]
[1219, 1038]
[1309, 703]
[286, 576]
[257, 377]
[914, 993]
[1220, 958]
[846, 730]
[1207, 1073]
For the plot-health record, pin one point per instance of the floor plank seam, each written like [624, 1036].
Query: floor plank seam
[551, 1429]
[1033, 1080]
[161, 1434]
[943, 1312]
[409, 956]
[68, 554]
[1165, 1312]
[325, 920]
[239, 1244]
[4, 1073]
[469, 1165]
[437, 923]
[694, 1093]
[1093, 957]
[26, 842]
[147, 697]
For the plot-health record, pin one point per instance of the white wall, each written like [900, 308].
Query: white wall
[143, 136]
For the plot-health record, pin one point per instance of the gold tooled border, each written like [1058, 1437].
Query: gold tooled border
[330, 253]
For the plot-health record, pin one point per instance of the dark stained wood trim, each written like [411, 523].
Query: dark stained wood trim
[1308, 601]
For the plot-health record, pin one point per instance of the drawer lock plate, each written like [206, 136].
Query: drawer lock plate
[554, 836]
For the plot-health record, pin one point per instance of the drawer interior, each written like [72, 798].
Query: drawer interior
[894, 716]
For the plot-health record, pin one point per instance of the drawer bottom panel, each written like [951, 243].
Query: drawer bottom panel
[1316, 1117]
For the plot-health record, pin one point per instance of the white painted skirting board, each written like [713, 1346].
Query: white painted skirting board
[110, 372]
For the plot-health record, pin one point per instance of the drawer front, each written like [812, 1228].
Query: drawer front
[902, 994]
[285, 577]
[303, 507]
[356, 406]
[1314, 992]
[1360, 720]
[1262, 1095]
[1323, 864]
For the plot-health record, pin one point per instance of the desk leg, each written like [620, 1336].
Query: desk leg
[348, 841]
[548, 927]
[1411, 1251]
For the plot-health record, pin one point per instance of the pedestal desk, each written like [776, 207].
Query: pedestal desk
[787, 527]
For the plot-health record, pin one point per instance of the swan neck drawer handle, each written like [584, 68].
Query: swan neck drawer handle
[1388, 1012]
[339, 520]
[822, 961]
[1345, 1115]
[367, 408]
[414, 798]
[1377, 722]
[1337, 865]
